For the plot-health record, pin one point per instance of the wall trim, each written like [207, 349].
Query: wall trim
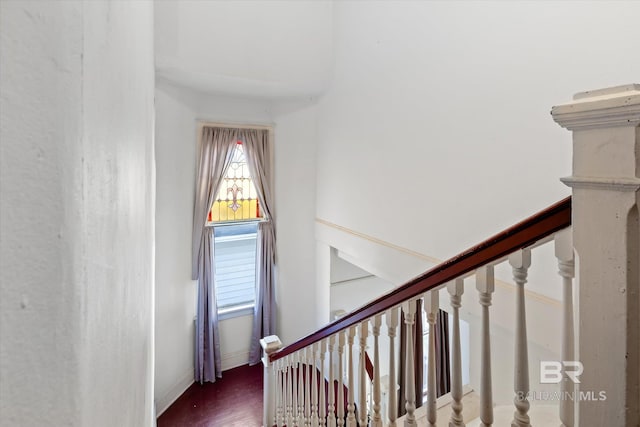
[349, 281]
[599, 183]
[379, 241]
[505, 285]
[174, 392]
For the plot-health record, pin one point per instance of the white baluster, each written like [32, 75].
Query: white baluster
[456, 289]
[376, 419]
[314, 385]
[520, 262]
[409, 310]
[340, 400]
[362, 410]
[301, 418]
[566, 267]
[276, 389]
[392, 324]
[331, 407]
[289, 407]
[307, 387]
[279, 390]
[351, 415]
[283, 395]
[431, 307]
[485, 285]
[294, 380]
[300, 389]
[322, 410]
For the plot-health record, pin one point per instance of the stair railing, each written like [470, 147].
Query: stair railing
[605, 235]
[305, 406]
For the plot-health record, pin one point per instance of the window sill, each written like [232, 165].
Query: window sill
[235, 222]
[237, 311]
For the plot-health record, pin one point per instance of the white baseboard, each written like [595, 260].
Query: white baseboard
[233, 360]
[174, 393]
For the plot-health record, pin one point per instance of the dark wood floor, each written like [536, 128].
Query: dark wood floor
[235, 400]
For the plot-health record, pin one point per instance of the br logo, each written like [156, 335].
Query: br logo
[551, 371]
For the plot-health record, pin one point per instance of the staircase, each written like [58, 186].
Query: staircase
[596, 382]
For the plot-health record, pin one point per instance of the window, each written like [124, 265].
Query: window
[237, 198]
[235, 214]
[235, 267]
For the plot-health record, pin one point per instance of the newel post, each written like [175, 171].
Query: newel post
[606, 237]
[269, 345]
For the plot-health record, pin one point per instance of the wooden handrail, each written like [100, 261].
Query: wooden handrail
[523, 234]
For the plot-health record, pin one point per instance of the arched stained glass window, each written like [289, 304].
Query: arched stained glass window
[237, 198]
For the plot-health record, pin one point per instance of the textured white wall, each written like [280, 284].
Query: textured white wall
[275, 48]
[77, 190]
[178, 110]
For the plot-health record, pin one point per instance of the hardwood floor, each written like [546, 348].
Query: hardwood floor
[235, 400]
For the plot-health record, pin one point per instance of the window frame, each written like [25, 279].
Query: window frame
[259, 215]
[241, 309]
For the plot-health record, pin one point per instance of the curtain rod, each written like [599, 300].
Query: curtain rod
[204, 123]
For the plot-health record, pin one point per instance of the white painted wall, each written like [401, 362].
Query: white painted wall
[302, 304]
[342, 270]
[323, 281]
[178, 111]
[275, 48]
[435, 132]
[382, 259]
[355, 293]
[77, 191]
[175, 291]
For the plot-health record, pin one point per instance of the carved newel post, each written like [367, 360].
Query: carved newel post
[606, 238]
[269, 345]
